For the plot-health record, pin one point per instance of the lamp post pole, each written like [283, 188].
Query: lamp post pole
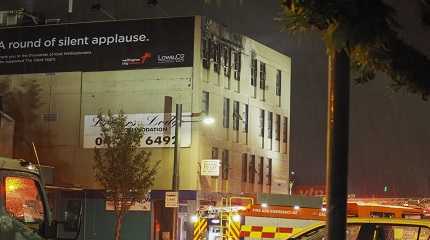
[175, 179]
[178, 123]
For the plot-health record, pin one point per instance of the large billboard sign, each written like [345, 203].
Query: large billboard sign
[159, 130]
[98, 46]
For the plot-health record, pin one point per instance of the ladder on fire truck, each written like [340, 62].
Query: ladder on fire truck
[227, 217]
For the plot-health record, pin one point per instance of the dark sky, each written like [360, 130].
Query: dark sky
[389, 132]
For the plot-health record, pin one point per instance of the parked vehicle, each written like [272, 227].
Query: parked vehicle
[259, 221]
[372, 229]
[24, 210]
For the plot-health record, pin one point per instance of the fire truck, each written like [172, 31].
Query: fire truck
[24, 210]
[257, 221]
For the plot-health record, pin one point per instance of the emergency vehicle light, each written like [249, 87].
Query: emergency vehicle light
[194, 218]
[215, 221]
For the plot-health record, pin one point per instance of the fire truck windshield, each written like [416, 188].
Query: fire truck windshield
[24, 200]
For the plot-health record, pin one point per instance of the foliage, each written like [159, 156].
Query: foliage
[22, 102]
[11, 229]
[124, 170]
[425, 12]
[367, 30]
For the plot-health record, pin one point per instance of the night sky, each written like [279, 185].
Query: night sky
[389, 132]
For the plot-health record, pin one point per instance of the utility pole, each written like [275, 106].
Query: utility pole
[337, 143]
[176, 158]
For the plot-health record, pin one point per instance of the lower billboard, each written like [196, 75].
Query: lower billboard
[159, 130]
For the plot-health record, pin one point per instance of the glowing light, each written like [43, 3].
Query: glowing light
[208, 120]
[215, 221]
[12, 184]
[323, 209]
[264, 205]
[296, 207]
[236, 218]
[31, 167]
[194, 218]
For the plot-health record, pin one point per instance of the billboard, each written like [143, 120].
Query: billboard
[159, 130]
[98, 46]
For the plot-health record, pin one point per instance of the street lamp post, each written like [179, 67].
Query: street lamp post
[178, 123]
[175, 178]
[176, 158]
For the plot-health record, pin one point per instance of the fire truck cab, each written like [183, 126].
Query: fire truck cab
[24, 210]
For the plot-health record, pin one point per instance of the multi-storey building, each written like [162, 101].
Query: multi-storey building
[78, 70]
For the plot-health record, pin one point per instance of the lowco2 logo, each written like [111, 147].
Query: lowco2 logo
[174, 58]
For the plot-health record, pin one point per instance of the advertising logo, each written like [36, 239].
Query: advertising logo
[135, 61]
[173, 58]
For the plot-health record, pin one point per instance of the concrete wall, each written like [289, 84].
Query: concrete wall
[238, 142]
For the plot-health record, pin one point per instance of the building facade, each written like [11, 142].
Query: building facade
[79, 70]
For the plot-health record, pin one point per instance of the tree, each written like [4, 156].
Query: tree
[360, 35]
[124, 170]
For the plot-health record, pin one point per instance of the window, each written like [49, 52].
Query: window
[205, 53]
[23, 200]
[424, 233]
[205, 102]
[211, 49]
[285, 130]
[270, 125]
[320, 233]
[225, 164]
[261, 171]
[254, 72]
[244, 167]
[277, 127]
[73, 210]
[374, 214]
[245, 118]
[217, 57]
[278, 82]
[237, 63]
[214, 153]
[269, 171]
[261, 122]
[226, 113]
[262, 75]
[236, 115]
[388, 231]
[251, 171]
[227, 60]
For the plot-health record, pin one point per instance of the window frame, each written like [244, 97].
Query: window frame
[269, 171]
[262, 120]
[226, 113]
[245, 118]
[269, 125]
[278, 88]
[254, 70]
[206, 52]
[237, 59]
[225, 164]
[251, 170]
[205, 102]
[262, 75]
[285, 130]
[261, 171]
[44, 199]
[244, 167]
[277, 127]
[236, 115]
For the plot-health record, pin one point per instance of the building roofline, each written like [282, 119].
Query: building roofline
[97, 21]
